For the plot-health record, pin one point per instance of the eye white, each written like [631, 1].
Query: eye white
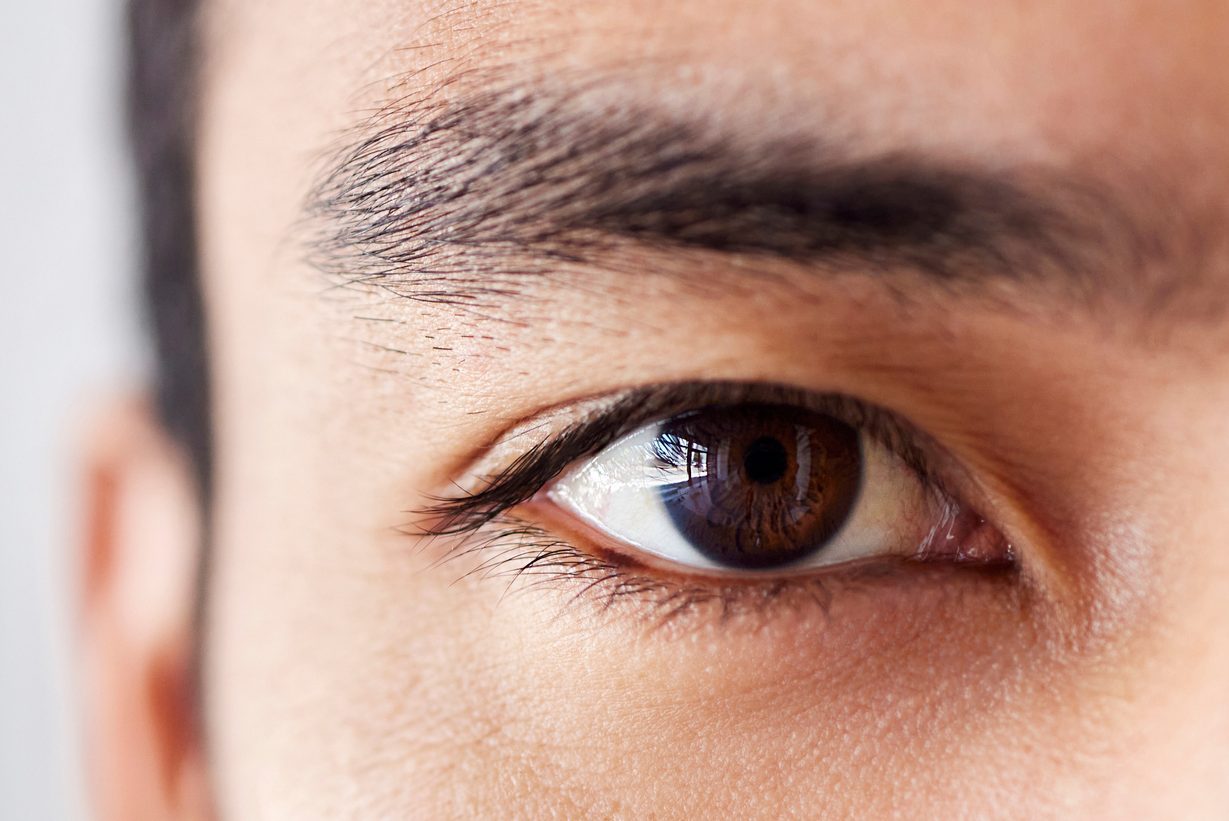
[618, 493]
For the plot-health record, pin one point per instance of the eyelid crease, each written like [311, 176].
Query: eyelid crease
[605, 420]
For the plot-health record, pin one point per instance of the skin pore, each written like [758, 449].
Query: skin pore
[434, 235]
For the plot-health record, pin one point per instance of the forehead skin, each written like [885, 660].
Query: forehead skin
[348, 676]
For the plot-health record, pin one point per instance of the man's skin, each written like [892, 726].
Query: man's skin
[1076, 369]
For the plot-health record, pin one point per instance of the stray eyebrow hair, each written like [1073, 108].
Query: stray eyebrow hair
[457, 202]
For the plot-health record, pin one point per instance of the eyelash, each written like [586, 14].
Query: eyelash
[506, 546]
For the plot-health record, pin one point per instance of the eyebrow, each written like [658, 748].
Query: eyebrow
[457, 202]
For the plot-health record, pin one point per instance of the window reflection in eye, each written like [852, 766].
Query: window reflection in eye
[768, 488]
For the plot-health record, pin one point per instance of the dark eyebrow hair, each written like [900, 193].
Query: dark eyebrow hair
[454, 201]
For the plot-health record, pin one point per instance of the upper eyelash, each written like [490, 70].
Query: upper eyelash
[536, 467]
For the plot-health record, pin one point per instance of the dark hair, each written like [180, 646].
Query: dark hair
[162, 94]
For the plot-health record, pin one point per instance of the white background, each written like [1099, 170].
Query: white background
[67, 334]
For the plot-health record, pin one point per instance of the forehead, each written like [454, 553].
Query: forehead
[1033, 77]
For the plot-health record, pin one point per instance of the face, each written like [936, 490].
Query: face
[711, 408]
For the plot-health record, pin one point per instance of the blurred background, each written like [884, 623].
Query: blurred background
[68, 334]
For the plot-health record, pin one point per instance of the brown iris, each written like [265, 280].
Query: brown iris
[766, 484]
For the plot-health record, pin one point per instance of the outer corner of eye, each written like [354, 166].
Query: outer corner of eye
[766, 488]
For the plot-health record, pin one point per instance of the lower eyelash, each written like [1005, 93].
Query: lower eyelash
[531, 558]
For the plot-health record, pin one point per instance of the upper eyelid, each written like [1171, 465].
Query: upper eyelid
[610, 417]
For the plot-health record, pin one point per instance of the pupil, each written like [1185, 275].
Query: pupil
[765, 461]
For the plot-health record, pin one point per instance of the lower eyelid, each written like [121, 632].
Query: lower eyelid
[523, 553]
[565, 529]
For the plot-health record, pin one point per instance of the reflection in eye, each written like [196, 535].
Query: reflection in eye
[756, 487]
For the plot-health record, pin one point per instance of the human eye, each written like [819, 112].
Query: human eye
[758, 487]
[721, 490]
